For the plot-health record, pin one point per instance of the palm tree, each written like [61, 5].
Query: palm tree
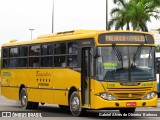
[142, 11]
[120, 16]
[135, 13]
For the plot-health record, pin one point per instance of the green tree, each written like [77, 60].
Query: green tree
[134, 13]
[158, 48]
[120, 16]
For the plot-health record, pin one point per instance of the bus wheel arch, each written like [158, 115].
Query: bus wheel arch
[71, 90]
[23, 97]
[21, 87]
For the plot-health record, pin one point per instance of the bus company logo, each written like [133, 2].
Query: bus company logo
[6, 114]
[38, 73]
[6, 74]
[130, 84]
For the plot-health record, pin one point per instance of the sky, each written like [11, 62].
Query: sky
[18, 16]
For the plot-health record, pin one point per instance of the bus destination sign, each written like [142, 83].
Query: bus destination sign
[125, 38]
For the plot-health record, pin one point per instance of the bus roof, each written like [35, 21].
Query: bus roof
[67, 35]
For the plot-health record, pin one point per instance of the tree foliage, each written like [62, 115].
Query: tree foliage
[133, 14]
[158, 48]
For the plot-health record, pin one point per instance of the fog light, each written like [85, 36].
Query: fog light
[144, 103]
[117, 104]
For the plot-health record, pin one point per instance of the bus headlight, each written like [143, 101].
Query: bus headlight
[107, 96]
[149, 96]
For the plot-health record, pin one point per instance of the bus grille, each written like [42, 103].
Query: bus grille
[129, 93]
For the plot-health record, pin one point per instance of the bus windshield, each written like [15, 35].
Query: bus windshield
[125, 63]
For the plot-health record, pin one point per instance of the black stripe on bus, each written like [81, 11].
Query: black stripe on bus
[38, 88]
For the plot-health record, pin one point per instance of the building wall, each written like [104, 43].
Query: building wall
[156, 36]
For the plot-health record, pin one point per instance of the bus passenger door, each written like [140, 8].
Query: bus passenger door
[85, 76]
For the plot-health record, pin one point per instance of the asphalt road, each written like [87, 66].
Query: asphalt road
[55, 113]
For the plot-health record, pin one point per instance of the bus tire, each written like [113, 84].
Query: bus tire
[24, 99]
[75, 105]
[127, 110]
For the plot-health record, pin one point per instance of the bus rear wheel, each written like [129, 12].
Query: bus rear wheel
[25, 104]
[75, 105]
[127, 110]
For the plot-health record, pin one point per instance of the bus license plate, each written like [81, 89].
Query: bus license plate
[131, 104]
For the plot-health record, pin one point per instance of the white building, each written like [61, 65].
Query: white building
[156, 36]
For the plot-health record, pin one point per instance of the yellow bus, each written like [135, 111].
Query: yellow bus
[82, 69]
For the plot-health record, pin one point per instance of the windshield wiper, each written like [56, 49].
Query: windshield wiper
[118, 53]
[137, 54]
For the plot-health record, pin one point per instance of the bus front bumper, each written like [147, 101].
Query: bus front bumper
[103, 104]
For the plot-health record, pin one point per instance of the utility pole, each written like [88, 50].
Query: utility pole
[31, 32]
[106, 14]
[53, 17]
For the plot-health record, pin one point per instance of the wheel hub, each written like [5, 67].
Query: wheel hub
[75, 104]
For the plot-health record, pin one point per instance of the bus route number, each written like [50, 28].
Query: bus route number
[110, 85]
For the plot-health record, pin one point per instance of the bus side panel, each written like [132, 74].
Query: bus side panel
[34, 95]
[61, 97]
[10, 92]
[40, 85]
[63, 80]
[47, 96]
[9, 87]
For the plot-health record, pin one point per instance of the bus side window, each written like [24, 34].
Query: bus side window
[34, 56]
[34, 62]
[22, 62]
[5, 63]
[72, 54]
[5, 52]
[60, 48]
[72, 61]
[13, 54]
[60, 55]
[13, 63]
[72, 47]
[5, 57]
[46, 61]
[46, 55]
[34, 50]
[23, 56]
[23, 51]
[60, 61]
[47, 49]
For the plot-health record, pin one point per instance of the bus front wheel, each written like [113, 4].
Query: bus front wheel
[75, 104]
